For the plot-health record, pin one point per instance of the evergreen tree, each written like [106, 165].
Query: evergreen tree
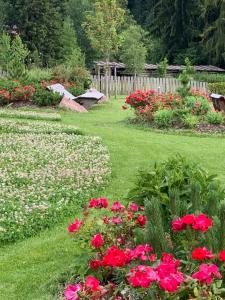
[40, 24]
[214, 34]
[3, 14]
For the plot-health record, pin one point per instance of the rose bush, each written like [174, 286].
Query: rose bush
[124, 266]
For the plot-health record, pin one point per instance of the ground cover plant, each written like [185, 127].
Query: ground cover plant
[167, 110]
[34, 262]
[29, 114]
[27, 126]
[42, 174]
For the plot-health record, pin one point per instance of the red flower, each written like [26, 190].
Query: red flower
[202, 223]
[116, 220]
[95, 264]
[188, 219]
[142, 276]
[115, 257]
[178, 225]
[152, 257]
[141, 220]
[97, 241]
[92, 283]
[98, 203]
[124, 107]
[222, 255]
[202, 254]
[117, 207]
[75, 226]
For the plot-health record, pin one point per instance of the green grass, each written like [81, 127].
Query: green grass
[27, 266]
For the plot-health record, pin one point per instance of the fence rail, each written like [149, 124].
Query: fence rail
[125, 85]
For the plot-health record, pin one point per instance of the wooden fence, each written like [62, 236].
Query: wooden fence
[125, 85]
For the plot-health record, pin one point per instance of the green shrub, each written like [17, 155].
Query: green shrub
[197, 105]
[163, 118]
[44, 97]
[211, 78]
[215, 117]
[190, 120]
[38, 74]
[217, 87]
[76, 90]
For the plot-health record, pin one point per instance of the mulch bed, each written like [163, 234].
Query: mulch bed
[209, 128]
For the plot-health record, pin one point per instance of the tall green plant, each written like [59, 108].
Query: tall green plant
[162, 67]
[185, 77]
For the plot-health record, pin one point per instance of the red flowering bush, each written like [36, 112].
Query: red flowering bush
[122, 268]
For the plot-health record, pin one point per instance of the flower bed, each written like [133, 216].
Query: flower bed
[167, 110]
[26, 114]
[41, 175]
[120, 268]
[24, 126]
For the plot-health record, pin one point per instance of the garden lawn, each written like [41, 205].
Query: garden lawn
[26, 267]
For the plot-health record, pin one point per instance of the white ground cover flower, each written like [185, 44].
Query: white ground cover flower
[24, 126]
[26, 114]
[43, 175]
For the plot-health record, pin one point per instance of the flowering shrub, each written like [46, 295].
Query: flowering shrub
[42, 175]
[120, 268]
[165, 110]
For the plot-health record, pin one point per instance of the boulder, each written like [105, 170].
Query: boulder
[72, 105]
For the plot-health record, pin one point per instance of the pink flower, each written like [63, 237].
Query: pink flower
[207, 273]
[222, 255]
[178, 225]
[133, 207]
[98, 203]
[97, 241]
[71, 292]
[116, 220]
[142, 276]
[92, 283]
[140, 252]
[188, 219]
[75, 226]
[117, 207]
[172, 283]
[202, 254]
[202, 223]
[152, 257]
[141, 220]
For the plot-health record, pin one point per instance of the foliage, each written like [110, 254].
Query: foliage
[162, 68]
[215, 117]
[217, 87]
[197, 104]
[45, 20]
[164, 118]
[13, 54]
[49, 172]
[102, 25]
[36, 74]
[133, 50]
[185, 78]
[210, 78]
[190, 120]
[44, 97]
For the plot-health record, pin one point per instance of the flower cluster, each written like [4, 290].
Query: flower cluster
[17, 92]
[200, 222]
[123, 269]
[29, 114]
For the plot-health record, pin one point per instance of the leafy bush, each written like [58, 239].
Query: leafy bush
[190, 121]
[181, 186]
[35, 75]
[44, 97]
[198, 105]
[216, 118]
[218, 88]
[163, 118]
[211, 78]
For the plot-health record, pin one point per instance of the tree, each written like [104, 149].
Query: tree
[40, 24]
[162, 67]
[71, 52]
[102, 28]
[3, 14]
[13, 54]
[214, 33]
[133, 51]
